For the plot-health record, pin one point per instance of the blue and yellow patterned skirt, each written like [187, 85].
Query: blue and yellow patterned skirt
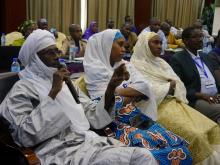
[135, 129]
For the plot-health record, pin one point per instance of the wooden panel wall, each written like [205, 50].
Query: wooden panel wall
[13, 13]
[142, 13]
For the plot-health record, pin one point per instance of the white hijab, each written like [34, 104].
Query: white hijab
[42, 76]
[156, 70]
[98, 71]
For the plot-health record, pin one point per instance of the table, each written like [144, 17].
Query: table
[75, 66]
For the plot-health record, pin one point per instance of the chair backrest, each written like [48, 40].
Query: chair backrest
[11, 37]
[7, 80]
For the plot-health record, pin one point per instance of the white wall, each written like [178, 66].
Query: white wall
[216, 22]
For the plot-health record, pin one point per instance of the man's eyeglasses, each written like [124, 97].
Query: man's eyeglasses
[49, 51]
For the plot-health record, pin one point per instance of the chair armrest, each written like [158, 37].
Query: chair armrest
[30, 156]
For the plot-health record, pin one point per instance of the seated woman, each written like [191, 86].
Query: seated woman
[104, 69]
[173, 111]
[26, 28]
[92, 29]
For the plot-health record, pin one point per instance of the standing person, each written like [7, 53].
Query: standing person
[170, 93]
[104, 69]
[75, 39]
[196, 72]
[44, 115]
[92, 29]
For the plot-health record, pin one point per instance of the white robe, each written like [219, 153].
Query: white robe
[58, 130]
[48, 130]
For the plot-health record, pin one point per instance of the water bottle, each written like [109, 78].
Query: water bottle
[3, 39]
[72, 52]
[15, 66]
[62, 62]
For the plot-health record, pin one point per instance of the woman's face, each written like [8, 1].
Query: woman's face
[155, 45]
[95, 27]
[118, 51]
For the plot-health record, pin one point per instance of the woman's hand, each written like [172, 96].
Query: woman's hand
[120, 74]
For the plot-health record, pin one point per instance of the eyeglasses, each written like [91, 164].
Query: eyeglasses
[49, 51]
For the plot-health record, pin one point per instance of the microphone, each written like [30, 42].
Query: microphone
[71, 87]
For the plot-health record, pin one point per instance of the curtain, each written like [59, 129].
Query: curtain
[182, 13]
[102, 10]
[59, 13]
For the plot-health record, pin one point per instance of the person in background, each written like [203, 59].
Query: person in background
[130, 37]
[42, 24]
[43, 114]
[110, 24]
[26, 28]
[54, 32]
[105, 69]
[197, 73]
[75, 39]
[92, 29]
[170, 93]
[172, 28]
[128, 19]
[155, 27]
[198, 25]
[171, 40]
[214, 56]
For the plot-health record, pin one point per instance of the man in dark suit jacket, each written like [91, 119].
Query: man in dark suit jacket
[196, 71]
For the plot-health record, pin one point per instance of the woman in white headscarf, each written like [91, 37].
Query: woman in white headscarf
[104, 69]
[173, 111]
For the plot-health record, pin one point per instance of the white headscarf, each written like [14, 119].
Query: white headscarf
[41, 77]
[156, 70]
[98, 71]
